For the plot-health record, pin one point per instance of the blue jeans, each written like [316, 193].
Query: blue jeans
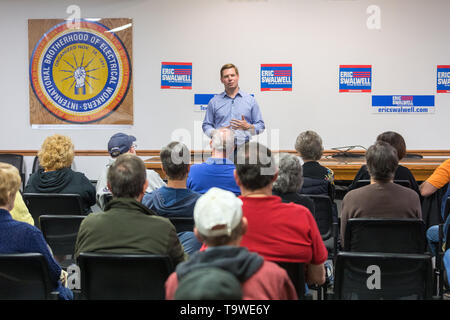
[433, 235]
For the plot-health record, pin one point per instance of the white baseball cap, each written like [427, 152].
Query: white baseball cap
[217, 212]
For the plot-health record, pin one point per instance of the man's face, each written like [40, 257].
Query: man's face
[230, 79]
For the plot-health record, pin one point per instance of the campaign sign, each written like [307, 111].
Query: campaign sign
[276, 77]
[355, 78]
[201, 101]
[176, 75]
[403, 104]
[443, 79]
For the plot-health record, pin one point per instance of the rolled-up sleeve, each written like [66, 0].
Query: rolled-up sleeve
[257, 119]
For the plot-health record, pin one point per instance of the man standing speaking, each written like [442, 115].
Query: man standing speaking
[234, 109]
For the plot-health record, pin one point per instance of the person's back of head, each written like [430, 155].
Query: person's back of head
[255, 166]
[127, 176]
[121, 143]
[9, 185]
[218, 218]
[290, 177]
[309, 145]
[382, 161]
[395, 140]
[57, 152]
[222, 140]
[175, 160]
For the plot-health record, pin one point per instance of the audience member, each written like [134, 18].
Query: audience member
[382, 198]
[219, 223]
[290, 181]
[175, 200]
[127, 226]
[20, 211]
[21, 237]
[56, 157]
[217, 171]
[402, 173]
[118, 144]
[317, 178]
[278, 231]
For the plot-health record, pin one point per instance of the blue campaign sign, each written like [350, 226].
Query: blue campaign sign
[443, 79]
[355, 78]
[176, 75]
[201, 101]
[276, 77]
[403, 103]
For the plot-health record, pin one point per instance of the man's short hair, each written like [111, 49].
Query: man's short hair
[175, 159]
[290, 174]
[395, 140]
[382, 161]
[223, 140]
[309, 145]
[228, 66]
[127, 176]
[255, 166]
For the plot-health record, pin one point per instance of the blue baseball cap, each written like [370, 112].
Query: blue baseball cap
[120, 143]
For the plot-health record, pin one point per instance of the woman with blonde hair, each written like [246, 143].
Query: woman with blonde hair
[56, 157]
[21, 237]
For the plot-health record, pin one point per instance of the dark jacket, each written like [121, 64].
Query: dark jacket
[63, 181]
[127, 226]
[297, 198]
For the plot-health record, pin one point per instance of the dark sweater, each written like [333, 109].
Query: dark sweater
[63, 181]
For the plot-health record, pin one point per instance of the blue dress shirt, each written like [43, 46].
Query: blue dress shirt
[222, 109]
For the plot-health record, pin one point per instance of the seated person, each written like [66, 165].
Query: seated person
[217, 171]
[290, 181]
[127, 226]
[285, 232]
[317, 178]
[118, 144]
[219, 223]
[402, 173]
[20, 211]
[175, 200]
[21, 237]
[56, 157]
[382, 198]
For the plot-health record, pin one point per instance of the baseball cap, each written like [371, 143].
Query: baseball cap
[209, 283]
[217, 208]
[120, 143]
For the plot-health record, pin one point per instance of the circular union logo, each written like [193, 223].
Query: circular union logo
[80, 75]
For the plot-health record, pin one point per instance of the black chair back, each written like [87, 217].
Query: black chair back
[323, 214]
[296, 272]
[24, 276]
[52, 204]
[182, 223]
[385, 235]
[123, 276]
[17, 161]
[382, 276]
[60, 232]
[36, 165]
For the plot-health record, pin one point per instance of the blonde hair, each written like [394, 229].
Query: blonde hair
[9, 182]
[57, 152]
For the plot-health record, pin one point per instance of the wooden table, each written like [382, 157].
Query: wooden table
[344, 168]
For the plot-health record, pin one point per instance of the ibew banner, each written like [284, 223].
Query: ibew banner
[276, 77]
[355, 78]
[201, 101]
[443, 79]
[176, 75]
[403, 104]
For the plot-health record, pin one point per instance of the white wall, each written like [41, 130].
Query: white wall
[316, 36]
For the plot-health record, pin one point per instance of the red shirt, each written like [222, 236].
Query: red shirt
[282, 231]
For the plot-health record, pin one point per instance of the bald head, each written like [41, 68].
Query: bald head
[222, 141]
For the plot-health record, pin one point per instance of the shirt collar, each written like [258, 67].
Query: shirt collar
[224, 94]
[219, 161]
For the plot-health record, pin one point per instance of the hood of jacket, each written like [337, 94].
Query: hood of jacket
[169, 201]
[52, 181]
[237, 260]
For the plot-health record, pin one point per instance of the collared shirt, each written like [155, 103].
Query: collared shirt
[222, 109]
